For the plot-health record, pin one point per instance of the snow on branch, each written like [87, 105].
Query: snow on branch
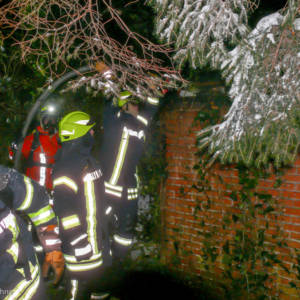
[264, 74]
[200, 29]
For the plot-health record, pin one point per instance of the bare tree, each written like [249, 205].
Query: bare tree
[62, 35]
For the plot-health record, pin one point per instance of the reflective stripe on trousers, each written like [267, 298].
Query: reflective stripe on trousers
[122, 240]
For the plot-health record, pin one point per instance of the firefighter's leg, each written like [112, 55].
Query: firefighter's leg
[126, 213]
[77, 289]
[87, 285]
[99, 284]
[108, 222]
[100, 296]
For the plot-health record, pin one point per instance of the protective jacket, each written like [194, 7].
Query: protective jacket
[77, 184]
[122, 147]
[19, 269]
[39, 149]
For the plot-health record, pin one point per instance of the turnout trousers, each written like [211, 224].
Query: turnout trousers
[121, 224]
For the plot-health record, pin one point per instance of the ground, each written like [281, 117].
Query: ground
[148, 284]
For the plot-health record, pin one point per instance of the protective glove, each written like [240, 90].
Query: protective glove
[12, 150]
[101, 67]
[51, 243]
[55, 260]
[115, 102]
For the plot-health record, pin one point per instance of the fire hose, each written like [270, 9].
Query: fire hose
[42, 98]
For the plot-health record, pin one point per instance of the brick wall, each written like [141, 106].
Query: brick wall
[185, 217]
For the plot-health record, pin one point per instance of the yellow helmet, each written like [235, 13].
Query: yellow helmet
[74, 125]
[126, 97]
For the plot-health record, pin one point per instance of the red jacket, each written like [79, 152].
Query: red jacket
[39, 149]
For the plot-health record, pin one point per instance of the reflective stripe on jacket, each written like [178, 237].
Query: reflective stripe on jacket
[77, 204]
[39, 149]
[122, 147]
[19, 270]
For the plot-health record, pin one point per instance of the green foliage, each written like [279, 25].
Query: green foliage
[20, 85]
[296, 268]
[152, 173]
[246, 252]
[240, 243]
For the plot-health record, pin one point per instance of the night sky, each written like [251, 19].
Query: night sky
[265, 7]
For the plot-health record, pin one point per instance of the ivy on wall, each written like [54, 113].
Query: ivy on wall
[152, 174]
[244, 244]
[242, 248]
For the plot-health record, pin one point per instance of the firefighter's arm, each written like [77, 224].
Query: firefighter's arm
[48, 234]
[9, 230]
[34, 202]
[32, 199]
[26, 196]
[148, 110]
[109, 113]
[9, 265]
[44, 219]
[11, 255]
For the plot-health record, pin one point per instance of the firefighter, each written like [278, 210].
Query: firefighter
[20, 276]
[124, 131]
[38, 152]
[39, 147]
[77, 194]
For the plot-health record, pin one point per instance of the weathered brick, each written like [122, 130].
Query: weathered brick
[292, 211]
[293, 244]
[291, 203]
[291, 178]
[181, 201]
[291, 194]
